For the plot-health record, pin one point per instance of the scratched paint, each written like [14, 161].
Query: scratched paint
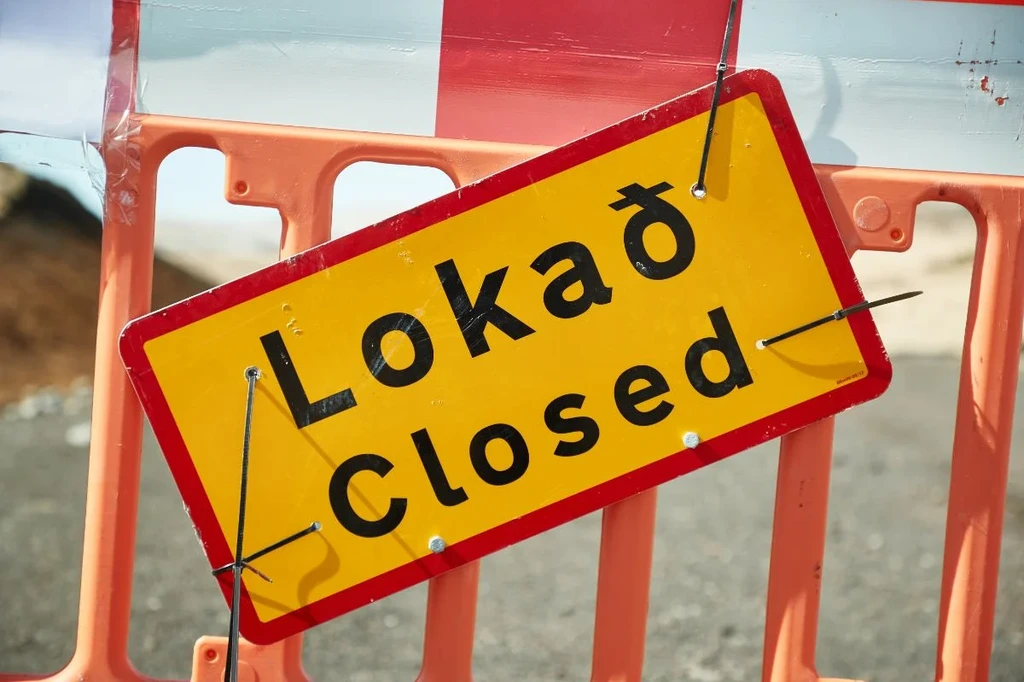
[536, 71]
[920, 93]
[461, 68]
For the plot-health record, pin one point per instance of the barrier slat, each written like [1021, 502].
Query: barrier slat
[797, 554]
[451, 622]
[623, 588]
[451, 598]
[306, 222]
[981, 440]
[115, 450]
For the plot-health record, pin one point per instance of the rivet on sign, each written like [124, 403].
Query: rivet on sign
[253, 372]
[691, 440]
[698, 191]
[436, 544]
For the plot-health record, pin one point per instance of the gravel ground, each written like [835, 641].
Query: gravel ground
[881, 577]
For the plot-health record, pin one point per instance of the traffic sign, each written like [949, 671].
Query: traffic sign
[513, 355]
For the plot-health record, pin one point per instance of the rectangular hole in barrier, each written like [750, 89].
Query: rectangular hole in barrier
[939, 263]
[369, 191]
[50, 231]
[201, 241]
[709, 579]
[535, 615]
[198, 231]
[383, 640]
[206, 241]
[535, 610]
[890, 474]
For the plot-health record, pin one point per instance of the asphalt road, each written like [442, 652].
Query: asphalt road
[881, 575]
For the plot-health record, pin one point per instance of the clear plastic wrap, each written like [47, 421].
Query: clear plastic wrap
[536, 72]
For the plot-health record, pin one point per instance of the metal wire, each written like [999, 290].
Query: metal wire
[231, 665]
[699, 189]
[837, 315]
[311, 528]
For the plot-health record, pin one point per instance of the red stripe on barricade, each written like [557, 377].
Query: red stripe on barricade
[541, 72]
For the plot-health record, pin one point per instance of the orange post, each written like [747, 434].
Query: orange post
[798, 552]
[451, 619]
[115, 450]
[981, 442]
[624, 588]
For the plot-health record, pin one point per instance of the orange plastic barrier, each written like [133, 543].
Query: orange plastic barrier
[294, 170]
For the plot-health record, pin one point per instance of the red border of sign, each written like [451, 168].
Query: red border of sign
[219, 551]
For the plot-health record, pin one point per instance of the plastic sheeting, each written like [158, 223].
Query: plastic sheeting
[885, 83]
[55, 55]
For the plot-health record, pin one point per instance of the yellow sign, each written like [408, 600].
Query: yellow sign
[510, 356]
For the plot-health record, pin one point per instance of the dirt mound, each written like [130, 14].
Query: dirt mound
[50, 260]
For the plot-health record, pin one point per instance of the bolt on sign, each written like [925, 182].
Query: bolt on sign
[528, 349]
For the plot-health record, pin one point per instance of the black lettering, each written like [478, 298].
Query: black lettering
[654, 210]
[337, 492]
[584, 271]
[473, 317]
[556, 423]
[724, 341]
[422, 347]
[627, 402]
[303, 412]
[478, 454]
[443, 491]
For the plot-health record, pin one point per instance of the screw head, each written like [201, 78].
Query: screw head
[698, 191]
[436, 544]
[691, 440]
[253, 372]
[871, 214]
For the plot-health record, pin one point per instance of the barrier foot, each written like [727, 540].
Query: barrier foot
[279, 662]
